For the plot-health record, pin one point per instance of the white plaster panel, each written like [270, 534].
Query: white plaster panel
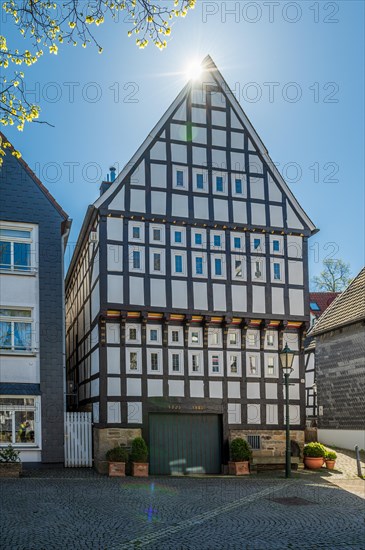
[158, 292]
[199, 135]
[178, 153]
[113, 386]
[134, 412]
[295, 246]
[158, 151]
[180, 113]
[294, 414]
[257, 188]
[221, 210]
[294, 392]
[237, 161]
[176, 388]
[201, 208]
[113, 412]
[158, 203]
[95, 301]
[277, 300]
[154, 388]
[179, 294]
[94, 388]
[276, 216]
[295, 273]
[200, 156]
[138, 177]
[253, 413]
[219, 118]
[235, 121]
[95, 362]
[234, 390]
[258, 299]
[134, 387]
[180, 206]
[219, 137]
[292, 219]
[114, 227]
[255, 164]
[219, 297]
[272, 414]
[215, 390]
[237, 140]
[138, 200]
[271, 390]
[94, 335]
[275, 193]
[296, 301]
[253, 390]
[200, 296]
[115, 289]
[115, 257]
[178, 132]
[218, 99]
[136, 290]
[239, 212]
[95, 413]
[199, 115]
[239, 298]
[234, 413]
[113, 360]
[196, 388]
[258, 214]
[158, 175]
[219, 159]
[118, 203]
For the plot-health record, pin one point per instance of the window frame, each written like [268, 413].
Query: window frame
[161, 252]
[184, 169]
[150, 353]
[135, 326]
[255, 356]
[182, 230]
[29, 269]
[180, 331]
[138, 352]
[180, 353]
[157, 227]
[141, 226]
[174, 254]
[219, 355]
[199, 354]
[12, 320]
[236, 354]
[151, 342]
[199, 343]
[237, 332]
[13, 408]
[141, 250]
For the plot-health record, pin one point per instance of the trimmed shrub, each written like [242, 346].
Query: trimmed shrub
[330, 455]
[139, 451]
[240, 450]
[118, 454]
[9, 454]
[314, 450]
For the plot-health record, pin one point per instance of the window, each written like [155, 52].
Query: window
[237, 242]
[238, 272]
[218, 266]
[215, 364]
[15, 249]
[15, 329]
[219, 184]
[270, 366]
[195, 363]
[179, 178]
[232, 338]
[18, 424]
[154, 361]
[199, 181]
[198, 238]
[199, 266]
[195, 337]
[251, 339]
[176, 362]
[178, 237]
[175, 336]
[258, 270]
[256, 244]
[270, 339]
[156, 234]
[157, 262]
[133, 360]
[178, 264]
[252, 365]
[314, 306]
[133, 334]
[238, 186]
[153, 335]
[136, 232]
[217, 240]
[136, 259]
[277, 272]
[233, 364]
[276, 246]
[254, 442]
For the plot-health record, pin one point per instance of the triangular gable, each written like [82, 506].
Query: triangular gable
[222, 101]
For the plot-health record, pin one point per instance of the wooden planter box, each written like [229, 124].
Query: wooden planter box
[10, 469]
[116, 469]
[140, 469]
[239, 468]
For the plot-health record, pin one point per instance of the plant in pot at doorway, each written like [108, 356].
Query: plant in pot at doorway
[139, 455]
[241, 453]
[117, 458]
[330, 459]
[314, 455]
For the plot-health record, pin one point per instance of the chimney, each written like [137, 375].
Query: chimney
[112, 173]
[109, 180]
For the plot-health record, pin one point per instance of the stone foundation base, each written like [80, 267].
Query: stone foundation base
[272, 441]
[107, 438]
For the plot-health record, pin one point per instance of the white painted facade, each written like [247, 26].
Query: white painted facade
[344, 439]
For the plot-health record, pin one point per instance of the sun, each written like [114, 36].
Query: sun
[194, 71]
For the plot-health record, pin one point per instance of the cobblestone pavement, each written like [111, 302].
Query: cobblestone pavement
[78, 509]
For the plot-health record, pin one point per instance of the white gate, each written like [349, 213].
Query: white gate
[78, 440]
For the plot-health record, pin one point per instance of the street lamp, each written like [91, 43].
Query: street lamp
[286, 359]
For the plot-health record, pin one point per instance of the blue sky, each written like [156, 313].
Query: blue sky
[296, 68]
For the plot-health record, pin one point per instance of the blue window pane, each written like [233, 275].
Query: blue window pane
[153, 335]
[22, 256]
[217, 240]
[15, 234]
[5, 334]
[180, 178]
[198, 238]
[238, 184]
[314, 306]
[218, 266]
[178, 237]
[276, 271]
[276, 246]
[22, 336]
[178, 264]
[237, 242]
[256, 243]
[199, 266]
[136, 232]
[199, 181]
[136, 259]
[219, 184]
[5, 255]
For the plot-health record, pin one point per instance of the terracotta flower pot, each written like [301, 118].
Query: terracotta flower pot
[140, 469]
[239, 468]
[313, 462]
[116, 469]
[330, 464]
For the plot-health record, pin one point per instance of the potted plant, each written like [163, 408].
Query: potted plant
[240, 457]
[314, 455]
[10, 464]
[139, 455]
[330, 459]
[117, 457]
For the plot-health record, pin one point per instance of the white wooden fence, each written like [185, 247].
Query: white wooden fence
[78, 440]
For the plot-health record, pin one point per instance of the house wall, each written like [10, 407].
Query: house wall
[22, 201]
[344, 439]
[340, 372]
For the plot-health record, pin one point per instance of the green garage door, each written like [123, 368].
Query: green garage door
[185, 443]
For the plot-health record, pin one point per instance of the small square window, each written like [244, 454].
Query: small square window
[179, 178]
[136, 232]
[233, 364]
[154, 361]
[238, 186]
[132, 334]
[136, 259]
[178, 237]
[238, 268]
[157, 262]
[232, 338]
[256, 244]
[270, 340]
[217, 240]
[214, 339]
[215, 363]
[157, 234]
[178, 264]
[153, 335]
[218, 266]
[175, 335]
[219, 184]
[270, 365]
[133, 365]
[252, 365]
[277, 272]
[195, 337]
[199, 181]
[199, 266]
[176, 362]
[195, 363]
[198, 238]
[237, 242]
[276, 246]
[258, 270]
